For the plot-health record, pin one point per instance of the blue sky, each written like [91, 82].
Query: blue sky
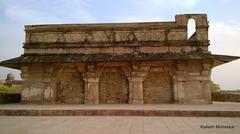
[223, 15]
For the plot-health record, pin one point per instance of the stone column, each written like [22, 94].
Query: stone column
[25, 88]
[49, 93]
[91, 82]
[136, 90]
[206, 82]
[136, 79]
[179, 78]
[178, 89]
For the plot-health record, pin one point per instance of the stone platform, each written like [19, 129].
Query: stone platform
[217, 109]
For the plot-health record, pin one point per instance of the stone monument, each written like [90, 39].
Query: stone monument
[115, 63]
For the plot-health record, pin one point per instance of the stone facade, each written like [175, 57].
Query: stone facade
[135, 63]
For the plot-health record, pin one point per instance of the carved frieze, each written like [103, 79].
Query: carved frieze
[107, 37]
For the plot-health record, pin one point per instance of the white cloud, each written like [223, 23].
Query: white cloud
[166, 3]
[225, 40]
[73, 10]
[26, 15]
[37, 12]
[136, 18]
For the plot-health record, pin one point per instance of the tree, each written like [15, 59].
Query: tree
[6, 89]
[214, 87]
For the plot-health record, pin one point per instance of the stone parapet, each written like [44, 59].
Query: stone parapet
[118, 38]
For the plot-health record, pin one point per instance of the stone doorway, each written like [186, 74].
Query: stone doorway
[113, 87]
[157, 88]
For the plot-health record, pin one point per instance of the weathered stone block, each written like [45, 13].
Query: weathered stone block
[157, 88]
[36, 94]
[25, 95]
[177, 35]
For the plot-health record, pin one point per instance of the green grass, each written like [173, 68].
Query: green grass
[6, 89]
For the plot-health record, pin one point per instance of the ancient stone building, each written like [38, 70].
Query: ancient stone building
[10, 81]
[134, 63]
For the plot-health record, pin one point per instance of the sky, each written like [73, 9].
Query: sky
[223, 16]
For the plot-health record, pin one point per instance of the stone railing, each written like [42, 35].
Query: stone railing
[226, 96]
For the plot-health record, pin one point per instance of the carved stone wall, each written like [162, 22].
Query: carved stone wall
[113, 86]
[158, 88]
[33, 83]
[191, 82]
[118, 82]
[70, 86]
[52, 84]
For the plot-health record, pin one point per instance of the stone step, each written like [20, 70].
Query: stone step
[117, 112]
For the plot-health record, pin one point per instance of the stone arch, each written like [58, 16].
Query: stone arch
[113, 86]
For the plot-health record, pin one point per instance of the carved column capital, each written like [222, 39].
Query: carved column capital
[92, 80]
[24, 72]
[136, 86]
[135, 79]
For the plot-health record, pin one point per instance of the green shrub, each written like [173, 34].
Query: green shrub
[6, 89]
[214, 87]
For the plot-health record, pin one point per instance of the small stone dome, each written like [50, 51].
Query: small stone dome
[10, 77]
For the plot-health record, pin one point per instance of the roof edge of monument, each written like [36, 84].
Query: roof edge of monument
[82, 58]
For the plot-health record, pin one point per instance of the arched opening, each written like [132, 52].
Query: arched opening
[191, 28]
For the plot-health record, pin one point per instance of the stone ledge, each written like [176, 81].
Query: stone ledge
[109, 112]
[82, 58]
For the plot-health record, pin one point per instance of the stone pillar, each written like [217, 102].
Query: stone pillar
[91, 86]
[178, 88]
[206, 74]
[25, 90]
[49, 93]
[136, 90]
[178, 82]
[136, 79]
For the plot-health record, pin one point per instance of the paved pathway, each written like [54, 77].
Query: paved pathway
[216, 106]
[117, 125]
